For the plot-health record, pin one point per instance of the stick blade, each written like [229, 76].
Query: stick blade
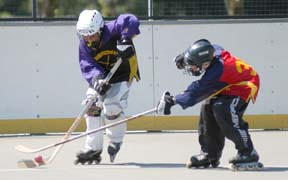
[28, 163]
[23, 149]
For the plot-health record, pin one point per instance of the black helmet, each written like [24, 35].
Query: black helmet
[199, 52]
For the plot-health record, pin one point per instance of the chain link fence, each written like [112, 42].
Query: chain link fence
[144, 9]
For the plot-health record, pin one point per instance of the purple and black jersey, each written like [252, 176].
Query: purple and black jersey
[96, 61]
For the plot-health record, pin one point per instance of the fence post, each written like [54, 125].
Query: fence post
[150, 8]
[34, 10]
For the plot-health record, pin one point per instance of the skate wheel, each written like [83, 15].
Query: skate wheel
[215, 165]
[90, 162]
[188, 165]
[233, 167]
[76, 162]
[260, 165]
[236, 167]
[98, 161]
[206, 165]
[254, 166]
[250, 167]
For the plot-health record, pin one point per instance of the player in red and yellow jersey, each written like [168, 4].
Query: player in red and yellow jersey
[227, 85]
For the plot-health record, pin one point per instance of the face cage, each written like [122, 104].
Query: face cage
[188, 70]
[82, 36]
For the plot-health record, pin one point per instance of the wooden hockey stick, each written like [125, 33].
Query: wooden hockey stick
[29, 150]
[28, 163]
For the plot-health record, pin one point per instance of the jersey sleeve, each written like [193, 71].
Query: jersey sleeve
[127, 26]
[203, 88]
[88, 66]
[218, 50]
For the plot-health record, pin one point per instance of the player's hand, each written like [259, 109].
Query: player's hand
[125, 48]
[91, 95]
[101, 87]
[165, 104]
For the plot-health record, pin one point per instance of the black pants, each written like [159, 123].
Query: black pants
[222, 117]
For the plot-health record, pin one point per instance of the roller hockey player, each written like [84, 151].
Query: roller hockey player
[228, 84]
[100, 46]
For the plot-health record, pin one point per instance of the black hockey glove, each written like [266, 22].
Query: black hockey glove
[101, 87]
[179, 61]
[125, 48]
[165, 104]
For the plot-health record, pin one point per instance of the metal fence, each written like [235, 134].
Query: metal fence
[37, 10]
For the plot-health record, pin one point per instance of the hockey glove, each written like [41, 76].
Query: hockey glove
[165, 104]
[125, 48]
[101, 87]
[179, 61]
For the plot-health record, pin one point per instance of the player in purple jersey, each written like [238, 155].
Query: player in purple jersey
[101, 44]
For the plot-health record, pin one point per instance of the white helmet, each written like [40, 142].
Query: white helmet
[89, 22]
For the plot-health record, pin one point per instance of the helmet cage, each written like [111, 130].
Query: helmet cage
[189, 69]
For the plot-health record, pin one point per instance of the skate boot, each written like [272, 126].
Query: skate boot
[89, 157]
[113, 149]
[202, 161]
[242, 162]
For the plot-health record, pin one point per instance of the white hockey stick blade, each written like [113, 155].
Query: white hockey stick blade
[26, 163]
[24, 149]
[29, 163]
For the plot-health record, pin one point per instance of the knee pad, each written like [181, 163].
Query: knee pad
[112, 111]
[94, 111]
[112, 117]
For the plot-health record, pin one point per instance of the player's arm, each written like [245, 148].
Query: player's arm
[198, 91]
[127, 27]
[89, 68]
[195, 93]
[201, 89]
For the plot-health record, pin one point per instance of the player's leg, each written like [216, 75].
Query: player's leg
[210, 138]
[229, 112]
[94, 142]
[113, 107]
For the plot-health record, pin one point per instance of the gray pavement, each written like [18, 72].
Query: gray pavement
[148, 156]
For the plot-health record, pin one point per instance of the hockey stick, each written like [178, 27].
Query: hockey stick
[28, 150]
[30, 163]
[33, 163]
